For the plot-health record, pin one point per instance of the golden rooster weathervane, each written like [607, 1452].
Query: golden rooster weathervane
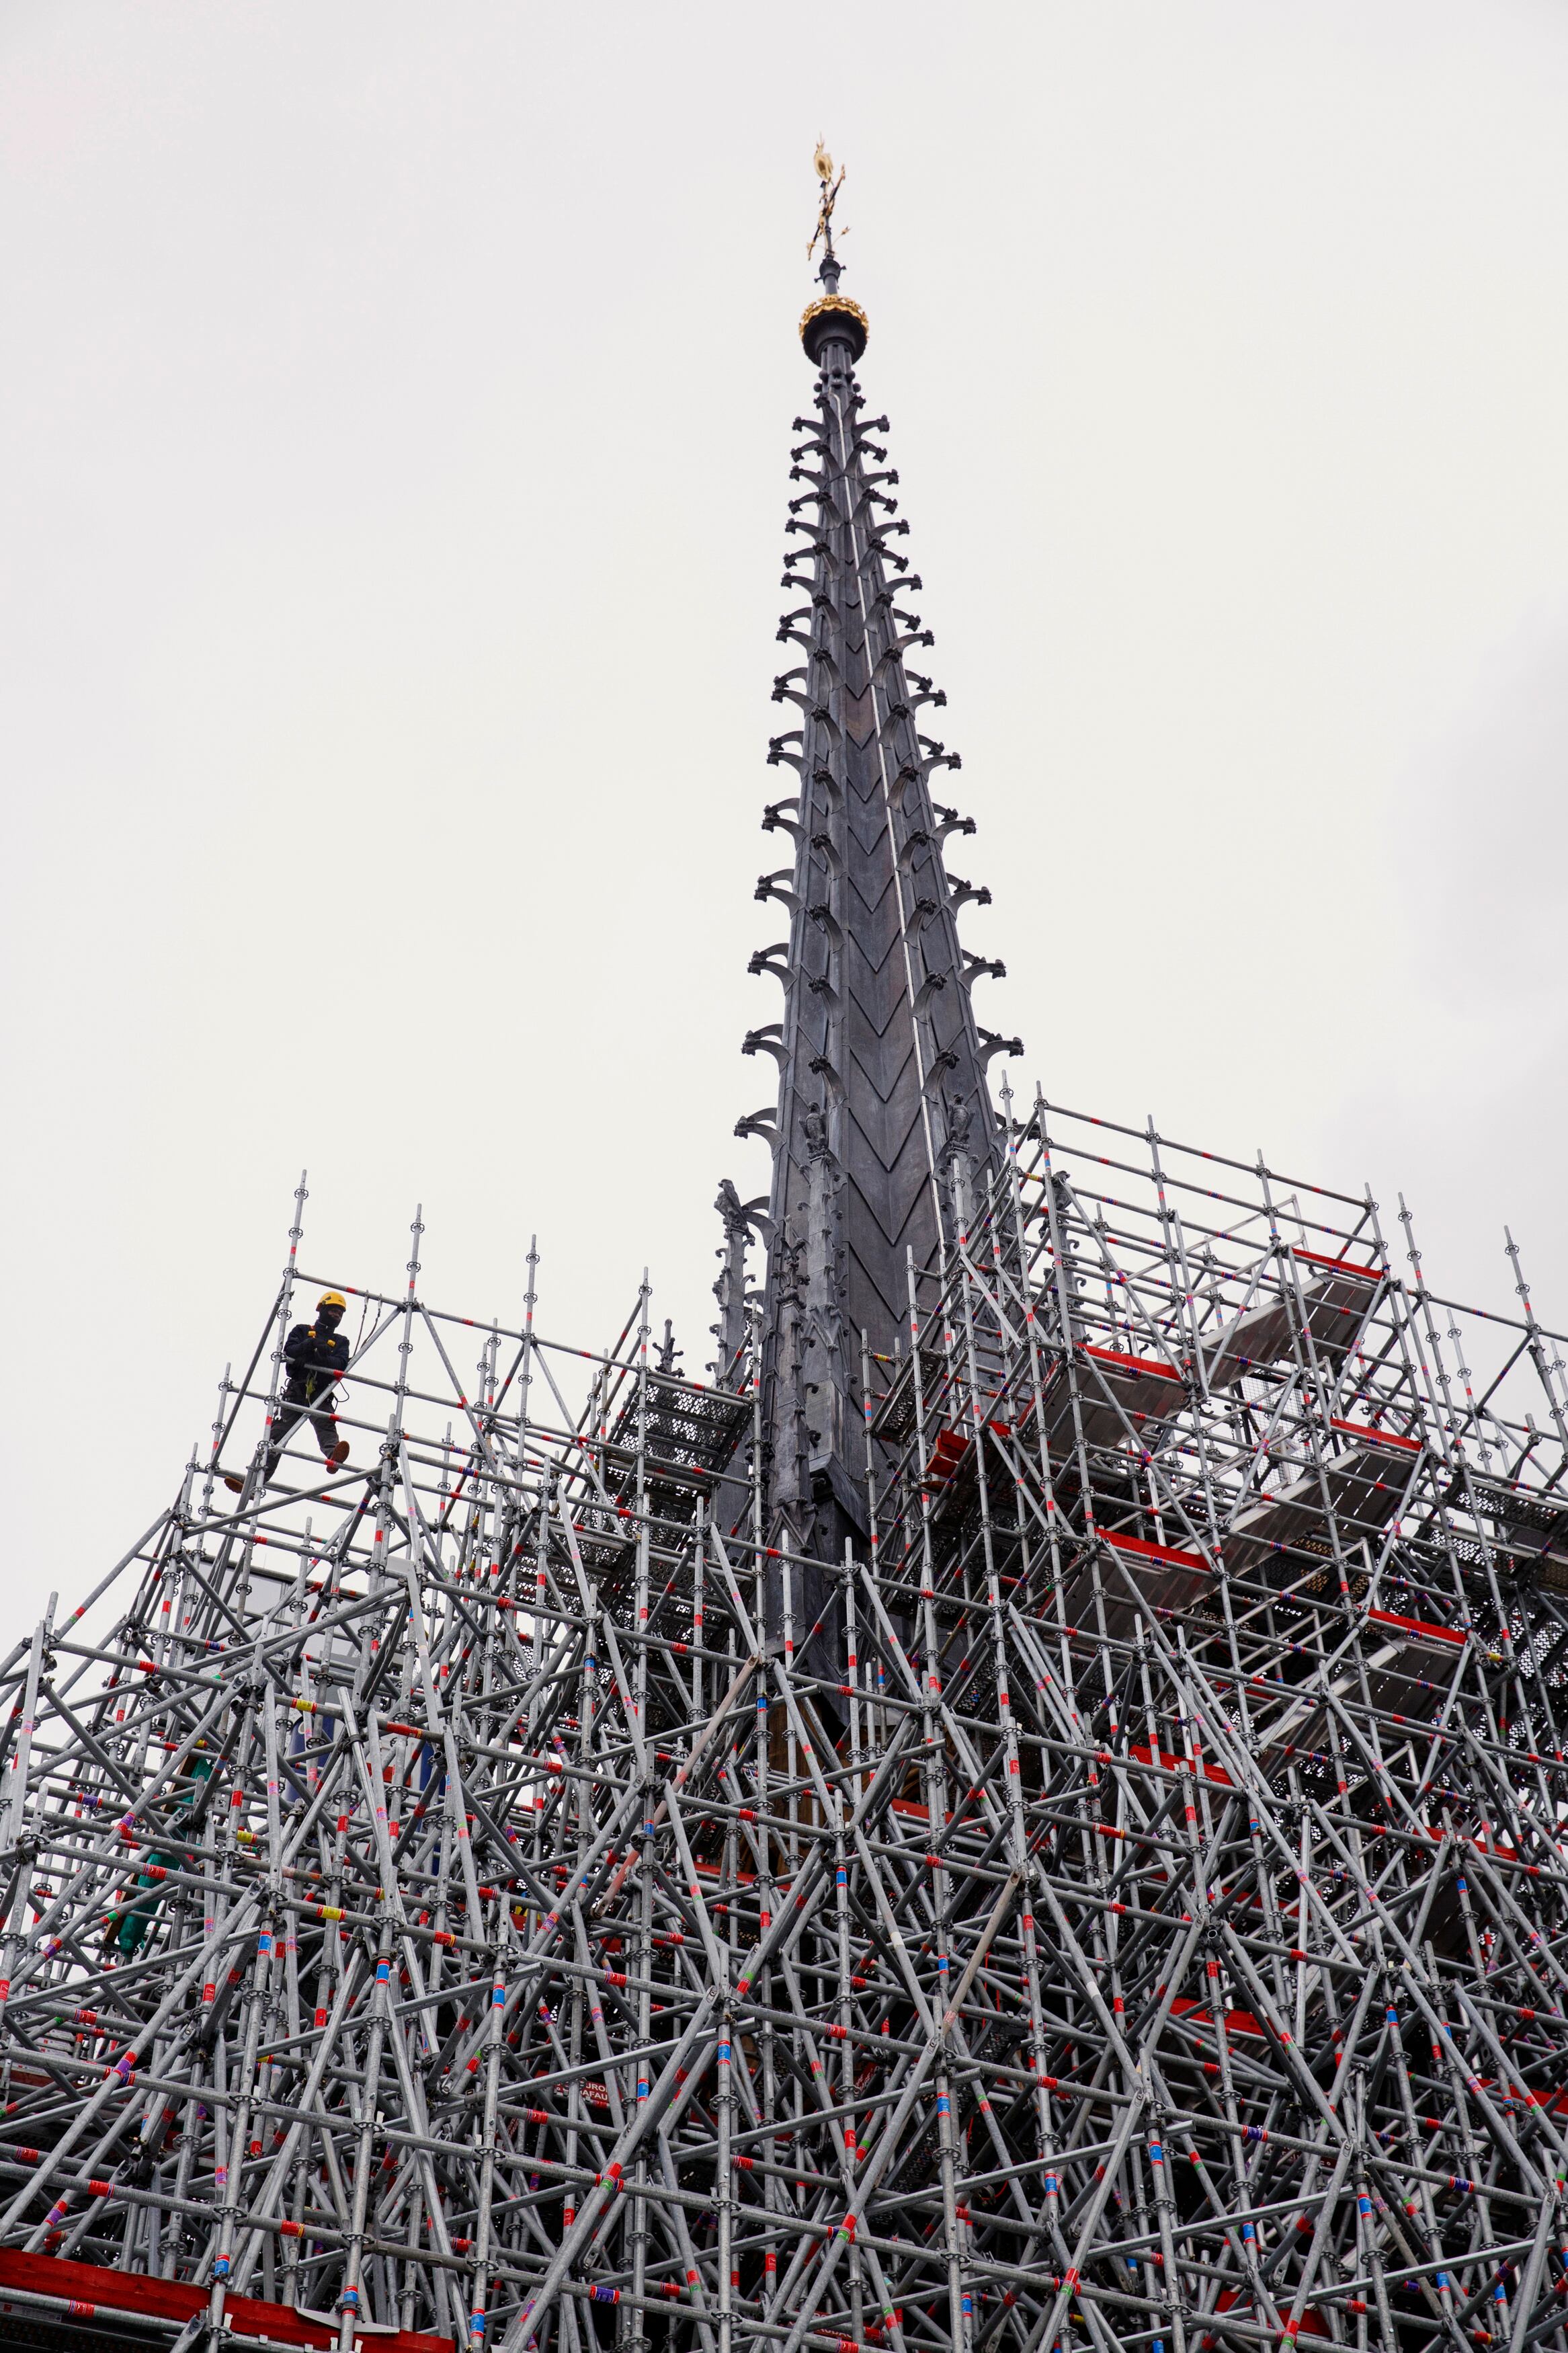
[828, 188]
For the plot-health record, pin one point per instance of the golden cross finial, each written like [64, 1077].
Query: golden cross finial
[828, 188]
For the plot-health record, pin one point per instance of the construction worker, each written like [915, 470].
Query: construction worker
[316, 1356]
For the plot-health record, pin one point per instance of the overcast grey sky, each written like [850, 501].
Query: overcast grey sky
[394, 430]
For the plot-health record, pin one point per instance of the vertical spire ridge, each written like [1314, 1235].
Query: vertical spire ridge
[884, 1118]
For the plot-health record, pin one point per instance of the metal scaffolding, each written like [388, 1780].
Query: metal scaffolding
[442, 1901]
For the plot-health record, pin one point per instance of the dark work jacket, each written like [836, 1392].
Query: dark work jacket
[315, 1357]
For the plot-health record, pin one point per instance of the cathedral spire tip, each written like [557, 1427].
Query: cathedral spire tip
[832, 315]
[827, 196]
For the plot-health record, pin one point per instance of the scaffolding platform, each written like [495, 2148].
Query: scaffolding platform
[1330, 1511]
[1134, 1577]
[1323, 1317]
[1118, 1398]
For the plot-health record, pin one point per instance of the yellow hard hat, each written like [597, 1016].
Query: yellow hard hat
[332, 1299]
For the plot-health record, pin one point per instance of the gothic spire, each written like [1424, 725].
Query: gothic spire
[883, 1117]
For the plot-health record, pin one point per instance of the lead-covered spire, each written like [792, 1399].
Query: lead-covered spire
[883, 1117]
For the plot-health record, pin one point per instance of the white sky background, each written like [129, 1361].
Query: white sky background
[394, 432]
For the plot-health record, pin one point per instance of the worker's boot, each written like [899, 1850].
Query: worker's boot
[339, 1455]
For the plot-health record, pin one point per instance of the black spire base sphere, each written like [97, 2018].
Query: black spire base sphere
[834, 318]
